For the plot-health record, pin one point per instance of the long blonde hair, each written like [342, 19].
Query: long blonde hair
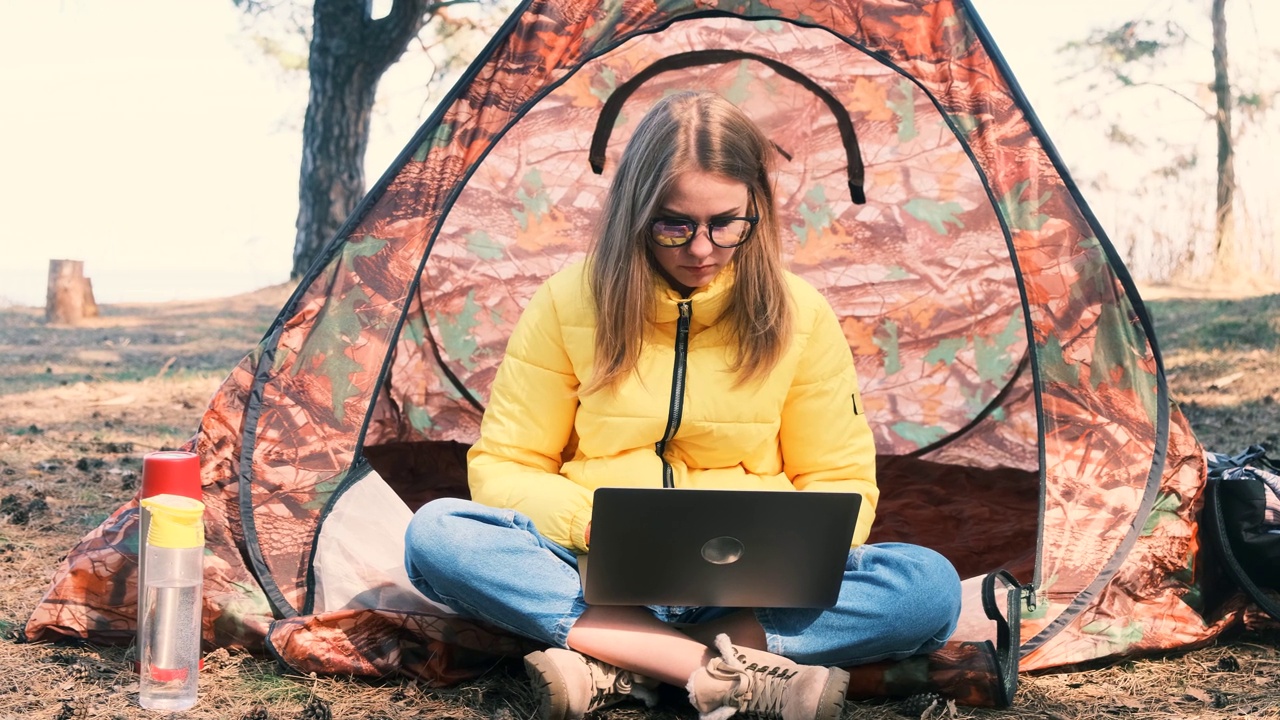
[691, 131]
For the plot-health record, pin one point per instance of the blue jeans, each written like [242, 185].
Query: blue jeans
[897, 600]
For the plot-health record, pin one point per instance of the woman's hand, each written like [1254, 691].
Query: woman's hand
[586, 535]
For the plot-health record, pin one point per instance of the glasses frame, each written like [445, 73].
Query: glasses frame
[751, 220]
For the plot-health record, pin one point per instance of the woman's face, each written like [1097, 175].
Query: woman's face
[701, 197]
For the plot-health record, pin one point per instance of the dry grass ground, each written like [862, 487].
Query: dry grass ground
[80, 406]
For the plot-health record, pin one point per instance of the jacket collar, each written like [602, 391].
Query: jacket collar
[708, 302]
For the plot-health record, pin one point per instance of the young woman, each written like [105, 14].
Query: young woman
[689, 241]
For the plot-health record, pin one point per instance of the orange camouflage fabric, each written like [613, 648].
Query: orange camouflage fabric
[994, 328]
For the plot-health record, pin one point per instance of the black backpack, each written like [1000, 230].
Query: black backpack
[1242, 522]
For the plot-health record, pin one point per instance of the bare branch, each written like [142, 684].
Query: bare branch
[393, 33]
[1146, 83]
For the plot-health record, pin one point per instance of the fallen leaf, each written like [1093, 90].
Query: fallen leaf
[1197, 694]
[1129, 702]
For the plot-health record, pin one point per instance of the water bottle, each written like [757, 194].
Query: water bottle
[169, 603]
[165, 472]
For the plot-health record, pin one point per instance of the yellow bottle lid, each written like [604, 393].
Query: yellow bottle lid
[176, 521]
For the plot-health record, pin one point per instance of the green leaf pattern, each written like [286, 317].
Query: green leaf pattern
[457, 333]
[904, 106]
[533, 199]
[937, 214]
[816, 213]
[1023, 214]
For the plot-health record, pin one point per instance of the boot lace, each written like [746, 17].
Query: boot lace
[761, 689]
[609, 684]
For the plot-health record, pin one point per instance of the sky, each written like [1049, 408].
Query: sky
[152, 140]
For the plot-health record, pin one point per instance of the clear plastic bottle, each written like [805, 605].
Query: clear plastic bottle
[170, 603]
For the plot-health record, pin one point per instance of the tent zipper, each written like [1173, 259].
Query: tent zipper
[677, 391]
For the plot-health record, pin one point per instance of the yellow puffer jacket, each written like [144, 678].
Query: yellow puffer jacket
[543, 449]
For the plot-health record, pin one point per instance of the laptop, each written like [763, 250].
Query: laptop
[718, 548]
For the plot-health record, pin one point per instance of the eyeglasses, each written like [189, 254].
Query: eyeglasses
[729, 232]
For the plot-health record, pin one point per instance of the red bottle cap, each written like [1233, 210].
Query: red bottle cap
[158, 673]
[171, 472]
[167, 675]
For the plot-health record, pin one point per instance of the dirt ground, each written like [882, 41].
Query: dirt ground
[79, 407]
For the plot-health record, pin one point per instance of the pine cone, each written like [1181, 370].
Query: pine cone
[316, 709]
[920, 703]
[71, 710]
[257, 712]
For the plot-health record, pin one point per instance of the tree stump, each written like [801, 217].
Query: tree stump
[70, 294]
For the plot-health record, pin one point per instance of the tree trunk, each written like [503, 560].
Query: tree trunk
[90, 305]
[349, 53]
[69, 298]
[335, 135]
[1226, 256]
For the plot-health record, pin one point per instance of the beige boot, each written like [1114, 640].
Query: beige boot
[764, 685]
[573, 684]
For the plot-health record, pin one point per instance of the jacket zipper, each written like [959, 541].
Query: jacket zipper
[677, 391]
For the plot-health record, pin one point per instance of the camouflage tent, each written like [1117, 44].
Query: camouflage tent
[1008, 365]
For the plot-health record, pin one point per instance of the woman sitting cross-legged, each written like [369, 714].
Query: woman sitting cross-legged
[770, 402]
